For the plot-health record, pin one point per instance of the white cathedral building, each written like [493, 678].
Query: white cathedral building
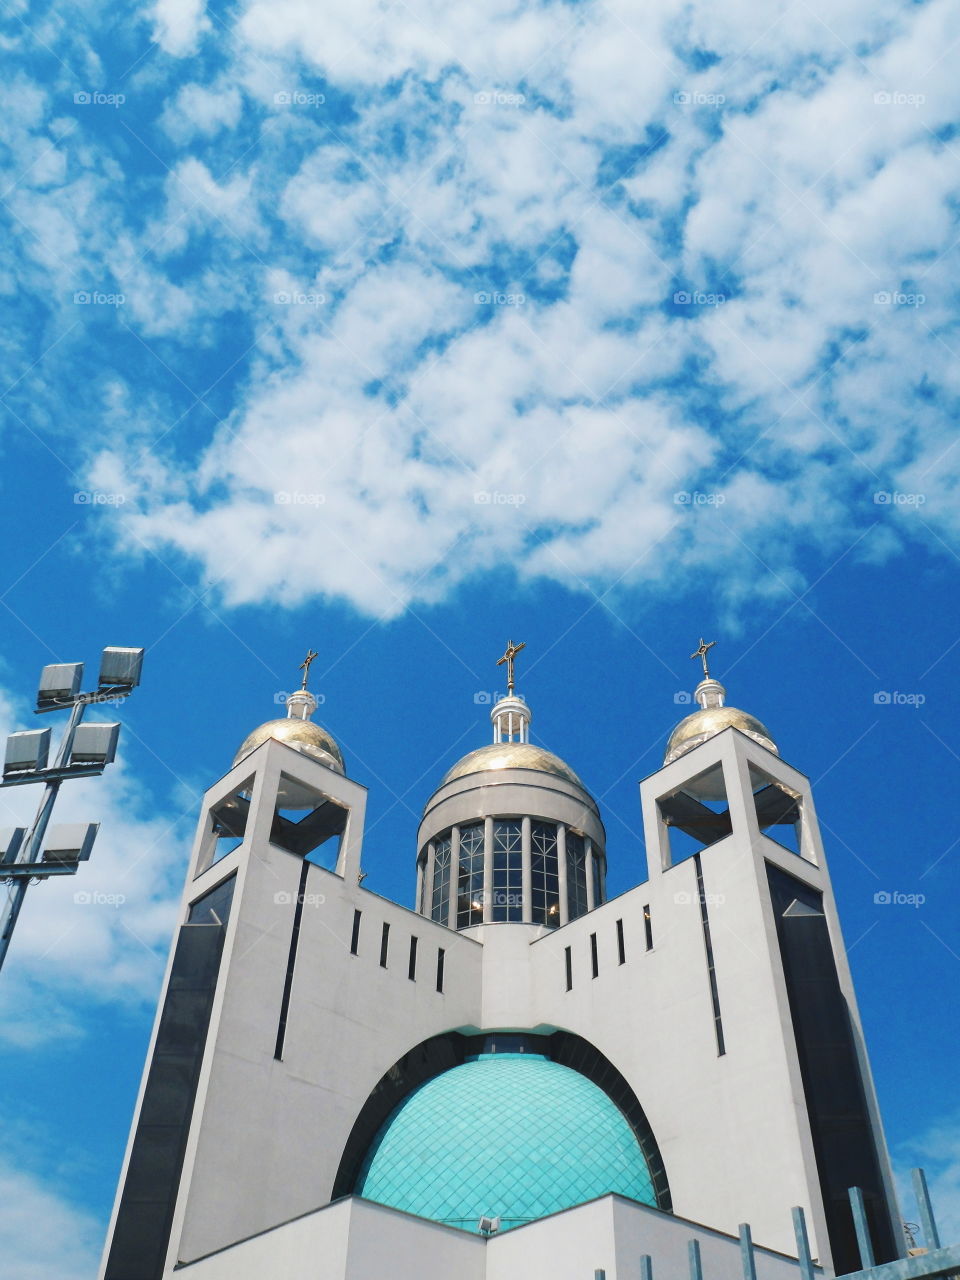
[519, 1077]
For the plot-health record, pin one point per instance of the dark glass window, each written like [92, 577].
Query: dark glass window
[441, 881]
[412, 965]
[545, 874]
[594, 958]
[384, 944]
[355, 936]
[597, 876]
[576, 875]
[440, 959]
[150, 1188]
[470, 876]
[568, 967]
[648, 927]
[840, 1121]
[621, 948]
[507, 871]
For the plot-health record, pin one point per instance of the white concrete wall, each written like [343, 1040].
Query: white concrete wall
[349, 1240]
[268, 1136]
[356, 1240]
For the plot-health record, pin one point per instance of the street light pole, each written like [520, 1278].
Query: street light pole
[119, 675]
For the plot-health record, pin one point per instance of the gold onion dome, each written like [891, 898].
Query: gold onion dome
[302, 735]
[511, 747]
[713, 716]
[511, 755]
[296, 729]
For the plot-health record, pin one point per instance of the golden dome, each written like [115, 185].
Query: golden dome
[708, 722]
[302, 735]
[511, 755]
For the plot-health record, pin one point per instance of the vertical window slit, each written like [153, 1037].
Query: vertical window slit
[291, 961]
[708, 947]
[440, 969]
[384, 943]
[412, 966]
[621, 949]
[355, 936]
[568, 961]
[594, 958]
[648, 927]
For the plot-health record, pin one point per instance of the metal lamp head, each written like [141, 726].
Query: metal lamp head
[59, 683]
[120, 667]
[26, 751]
[95, 744]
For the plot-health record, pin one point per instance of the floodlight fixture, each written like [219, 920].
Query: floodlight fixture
[85, 750]
[59, 684]
[120, 668]
[70, 842]
[95, 744]
[27, 751]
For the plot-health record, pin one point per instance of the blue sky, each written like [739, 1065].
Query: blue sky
[400, 330]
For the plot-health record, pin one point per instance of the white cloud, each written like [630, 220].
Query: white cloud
[179, 25]
[44, 1235]
[580, 169]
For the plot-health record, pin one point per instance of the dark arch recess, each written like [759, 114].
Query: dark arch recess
[440, 1053]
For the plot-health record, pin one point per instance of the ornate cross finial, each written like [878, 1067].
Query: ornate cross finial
[509, 658]
[701, 653]
[305, 666]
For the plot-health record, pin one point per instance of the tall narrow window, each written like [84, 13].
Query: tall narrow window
[470, 876]
[594, 958]
[291, 960]
[621, 949]
[568, 966]
[440, 968]
[384, 943]
[647, 927]
[711, 967]
[412, 966]
[507, 871]
[355, 936]
[597, 861]
[545, 874]
[576, 875]
[440, 904]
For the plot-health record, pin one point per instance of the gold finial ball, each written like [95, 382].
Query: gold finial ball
[303, 735]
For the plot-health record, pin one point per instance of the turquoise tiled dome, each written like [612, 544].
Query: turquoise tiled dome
[513, 1136]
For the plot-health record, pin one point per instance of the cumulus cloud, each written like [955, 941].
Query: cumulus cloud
[44, 1235]
[609, 296]
[179, 25]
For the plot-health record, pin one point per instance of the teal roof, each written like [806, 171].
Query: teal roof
[505, 1135]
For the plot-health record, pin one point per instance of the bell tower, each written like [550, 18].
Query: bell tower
[732, 829]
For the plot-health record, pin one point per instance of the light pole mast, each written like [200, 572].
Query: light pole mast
[84, 752]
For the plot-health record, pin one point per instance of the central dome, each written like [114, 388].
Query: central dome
[509, 1136]
[511, 755]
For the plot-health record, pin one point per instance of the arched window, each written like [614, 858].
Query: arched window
[507, 870]
[545, 874]
[441, 881]
[576, 875]
[470, 876]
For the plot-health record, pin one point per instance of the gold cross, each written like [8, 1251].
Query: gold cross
[305, 665]
[509, 658]
[701, 653]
